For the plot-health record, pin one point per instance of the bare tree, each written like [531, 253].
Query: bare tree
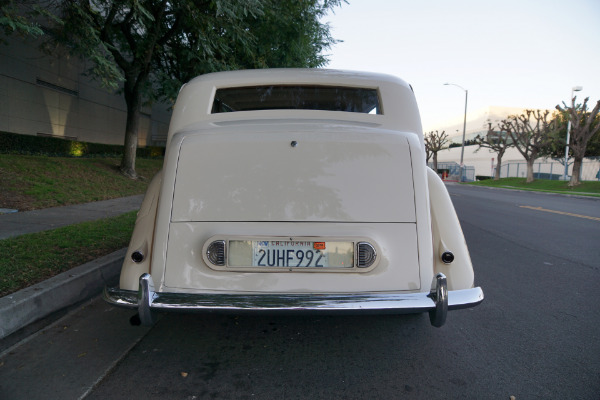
[584, 125]
[428, 152]
[496, 140]
[434, 142]
[530, 133]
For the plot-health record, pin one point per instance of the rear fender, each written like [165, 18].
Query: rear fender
[142, 238]
[448, 236]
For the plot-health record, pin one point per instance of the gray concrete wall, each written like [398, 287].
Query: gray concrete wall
[50, 95]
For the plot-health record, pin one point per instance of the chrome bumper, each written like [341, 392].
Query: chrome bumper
[438, 302]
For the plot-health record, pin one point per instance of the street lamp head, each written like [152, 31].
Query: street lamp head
[577, 88]
[454, 84]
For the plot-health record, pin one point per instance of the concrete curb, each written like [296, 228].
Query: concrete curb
[31, 304]
[516, 189]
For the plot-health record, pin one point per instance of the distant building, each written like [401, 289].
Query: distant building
[513, 164]
[50, 96]
[477, 122]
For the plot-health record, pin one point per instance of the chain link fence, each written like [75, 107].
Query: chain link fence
[450, 171]
[590, 170]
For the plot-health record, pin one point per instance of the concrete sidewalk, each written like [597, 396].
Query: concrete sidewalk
[20, 223]
[32, 304]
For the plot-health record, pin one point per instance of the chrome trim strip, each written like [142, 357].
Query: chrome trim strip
[343, 303]
[227, 239]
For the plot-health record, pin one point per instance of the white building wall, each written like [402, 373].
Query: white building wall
[484, 160]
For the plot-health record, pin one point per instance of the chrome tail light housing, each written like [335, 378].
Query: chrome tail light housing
[286, 254]
[366, 255]
[217, 252]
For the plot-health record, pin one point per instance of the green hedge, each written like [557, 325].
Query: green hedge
[12, 143]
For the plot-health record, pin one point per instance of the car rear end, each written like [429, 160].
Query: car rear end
[302, 211]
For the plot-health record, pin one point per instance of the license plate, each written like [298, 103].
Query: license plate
[291, 254]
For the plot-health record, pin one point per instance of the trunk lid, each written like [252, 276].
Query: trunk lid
[296, 173]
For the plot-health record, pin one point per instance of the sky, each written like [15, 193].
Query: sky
[509, 53]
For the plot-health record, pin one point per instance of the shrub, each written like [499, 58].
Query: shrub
[12, 143]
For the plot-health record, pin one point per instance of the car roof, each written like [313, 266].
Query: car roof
[397, 99]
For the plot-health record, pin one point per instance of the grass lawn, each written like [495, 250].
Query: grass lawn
[31, 258]
[33, 182]
[586, 188]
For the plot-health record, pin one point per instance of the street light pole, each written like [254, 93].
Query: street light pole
[462, 150]
[573, 89]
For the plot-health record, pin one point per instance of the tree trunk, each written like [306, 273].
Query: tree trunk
[435, 162]
[133, 100]
[530, 170]
[576, 172]
[498, 167]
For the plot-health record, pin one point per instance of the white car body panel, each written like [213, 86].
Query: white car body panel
[187, 271]
[285, 184]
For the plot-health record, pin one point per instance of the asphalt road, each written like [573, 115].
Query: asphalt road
[536, 336]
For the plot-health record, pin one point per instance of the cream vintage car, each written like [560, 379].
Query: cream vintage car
[296, 190]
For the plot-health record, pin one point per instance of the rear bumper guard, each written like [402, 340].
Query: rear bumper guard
[438, 302]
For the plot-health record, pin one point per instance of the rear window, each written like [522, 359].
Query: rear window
[297, 97]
